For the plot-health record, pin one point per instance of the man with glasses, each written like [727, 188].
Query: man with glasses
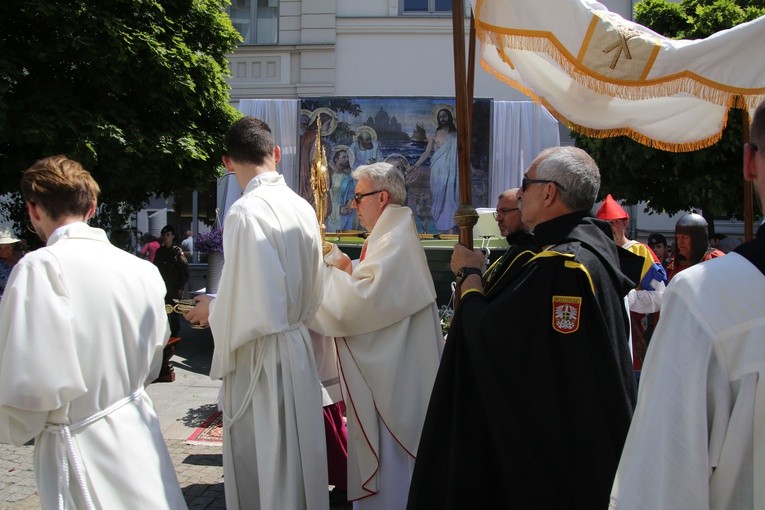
[696, 438]
[535, 391]
[522, 245]
[382, 312]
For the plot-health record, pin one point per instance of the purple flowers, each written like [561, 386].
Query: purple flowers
[209, 242]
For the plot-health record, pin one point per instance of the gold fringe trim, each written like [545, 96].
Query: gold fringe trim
[607, 133]
[685, 82]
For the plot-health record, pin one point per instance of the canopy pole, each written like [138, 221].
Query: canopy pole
[465, 216]
[748, 190]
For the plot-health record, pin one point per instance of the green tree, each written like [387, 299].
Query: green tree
[669, 182]
[133, 89]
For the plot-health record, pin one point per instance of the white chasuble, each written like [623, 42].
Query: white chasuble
[389, 343]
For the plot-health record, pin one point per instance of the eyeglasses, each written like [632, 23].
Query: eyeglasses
[358, 196]
[503, 211]
[526, 181]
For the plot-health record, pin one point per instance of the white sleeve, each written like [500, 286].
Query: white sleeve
[647, 301]
[39, 368]
[665, 463]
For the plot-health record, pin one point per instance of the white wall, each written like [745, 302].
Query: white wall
[403, 57]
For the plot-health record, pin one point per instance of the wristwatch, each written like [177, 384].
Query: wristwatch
[465, 272]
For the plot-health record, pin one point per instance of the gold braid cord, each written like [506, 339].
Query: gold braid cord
[320, 183]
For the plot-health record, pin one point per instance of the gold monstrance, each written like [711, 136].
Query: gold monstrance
[320, 184]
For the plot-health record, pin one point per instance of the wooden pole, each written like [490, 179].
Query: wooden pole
[748, 190]
[466, 215]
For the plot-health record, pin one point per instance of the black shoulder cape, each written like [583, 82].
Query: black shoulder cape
[532, 401]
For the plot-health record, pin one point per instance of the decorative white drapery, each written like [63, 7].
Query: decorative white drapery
[520, 130]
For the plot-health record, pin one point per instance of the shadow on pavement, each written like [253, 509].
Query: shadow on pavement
[196, 416]
[198, 459]
[195, 349]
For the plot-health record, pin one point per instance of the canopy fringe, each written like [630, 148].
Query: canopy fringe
[606, 133]
[681, 83]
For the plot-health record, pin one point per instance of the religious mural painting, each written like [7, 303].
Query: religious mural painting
[416, 134]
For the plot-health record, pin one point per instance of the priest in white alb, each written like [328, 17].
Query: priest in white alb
[382, 313]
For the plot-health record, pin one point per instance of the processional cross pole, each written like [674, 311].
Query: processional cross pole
[465, 216]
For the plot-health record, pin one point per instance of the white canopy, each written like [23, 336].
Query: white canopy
[606, 76]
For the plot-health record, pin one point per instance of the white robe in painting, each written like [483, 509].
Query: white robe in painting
[389, 344]
[274, 452]
[82, 327]
[444, 183]
[701, 403]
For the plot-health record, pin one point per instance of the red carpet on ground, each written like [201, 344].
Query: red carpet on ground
[210, 433]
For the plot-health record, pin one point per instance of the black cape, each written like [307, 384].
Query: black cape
[521, 414]
[754, 250]
[522, 246]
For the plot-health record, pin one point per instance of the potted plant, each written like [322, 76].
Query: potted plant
[211, 244]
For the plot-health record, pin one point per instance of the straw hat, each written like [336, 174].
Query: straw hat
[6, 237]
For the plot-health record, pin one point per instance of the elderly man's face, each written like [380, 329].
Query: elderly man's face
[508, 216]
[530, 199]
[371, 205]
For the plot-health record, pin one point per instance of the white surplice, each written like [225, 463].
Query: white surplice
[274, 451]
[701, 402]
[82, 327]
[389, 343]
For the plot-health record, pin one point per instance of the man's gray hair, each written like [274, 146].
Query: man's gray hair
[512, 193]
[574, 170]
[384, 176]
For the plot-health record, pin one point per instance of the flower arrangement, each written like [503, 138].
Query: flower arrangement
[445, 313]
[209, 242]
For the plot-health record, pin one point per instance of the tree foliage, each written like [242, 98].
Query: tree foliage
[669, 182]
[133, 89]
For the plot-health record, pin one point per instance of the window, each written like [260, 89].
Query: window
[256, 20]
[427, 6]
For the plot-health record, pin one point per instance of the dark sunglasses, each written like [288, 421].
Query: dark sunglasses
[526, 181]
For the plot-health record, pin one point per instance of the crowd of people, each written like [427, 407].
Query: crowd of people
[335, 371]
